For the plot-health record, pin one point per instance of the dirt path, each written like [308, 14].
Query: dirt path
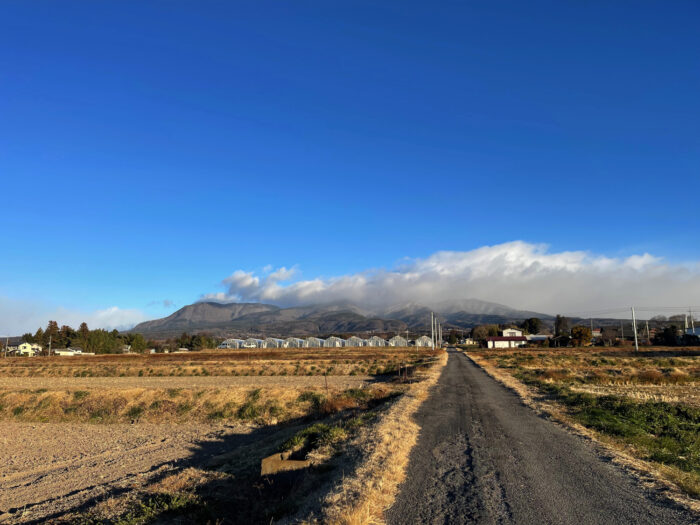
[483, 457]
[47, 469]
[76, 383]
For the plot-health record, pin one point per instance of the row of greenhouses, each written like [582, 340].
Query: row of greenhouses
[330, 342]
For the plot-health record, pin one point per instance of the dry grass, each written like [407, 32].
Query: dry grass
[304, 362]
[133, 403]
[262, 406]
[363, 496]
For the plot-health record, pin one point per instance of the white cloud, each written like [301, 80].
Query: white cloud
[18, 317]
[519, 274]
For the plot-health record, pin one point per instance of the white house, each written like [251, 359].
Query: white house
[354, 341]
[71, 351]
[505, 341]
[25, 349]
[512, 332]
[424, 341]
[375, 340]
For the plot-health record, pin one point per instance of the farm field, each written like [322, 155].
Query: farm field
[93, 440]
[643, 404]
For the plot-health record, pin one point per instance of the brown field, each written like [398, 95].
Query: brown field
[135, 439]
[309, 362]
[644, 405]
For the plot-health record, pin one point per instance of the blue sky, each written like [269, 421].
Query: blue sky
[149, 150]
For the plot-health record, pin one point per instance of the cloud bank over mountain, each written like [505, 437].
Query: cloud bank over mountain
[519, 274]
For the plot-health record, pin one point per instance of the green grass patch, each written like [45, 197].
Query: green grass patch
[666, 433]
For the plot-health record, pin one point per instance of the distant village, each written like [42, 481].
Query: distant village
[675, 331]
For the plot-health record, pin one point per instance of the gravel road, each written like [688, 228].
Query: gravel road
[74, 383]
[484, 457]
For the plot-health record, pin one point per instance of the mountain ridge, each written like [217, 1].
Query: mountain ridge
[226, 319]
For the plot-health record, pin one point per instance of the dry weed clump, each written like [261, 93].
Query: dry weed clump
[363, 496]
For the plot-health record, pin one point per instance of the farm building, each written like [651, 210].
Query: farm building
[537, 338]
[232, 343]
[272, 342]
[505, 342]
[314, 342]
[375, 341]
[334, 342]
[512, 332]
[251, 342]
[397, 340]
[294, 342]
[354, 341]
[424, 341]
[69, 351]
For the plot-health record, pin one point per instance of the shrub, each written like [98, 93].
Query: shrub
[135, 412]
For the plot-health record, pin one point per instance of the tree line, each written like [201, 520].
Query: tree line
[100, 341]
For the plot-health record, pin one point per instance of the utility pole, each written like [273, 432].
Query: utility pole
[7, 342]
[634, 327]
[692, 322]
[622, 330]
[49, 344]
[432, 330]
[648, 334]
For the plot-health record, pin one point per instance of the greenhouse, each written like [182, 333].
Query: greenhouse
[314, 342]
[375, 341]
[334, 342]
[354, 341]
[397, 340]
[424, 341]
[232, 343]
[272, 342]
[294, 342]
[253, 343]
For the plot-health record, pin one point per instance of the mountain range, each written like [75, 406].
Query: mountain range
[259, 319]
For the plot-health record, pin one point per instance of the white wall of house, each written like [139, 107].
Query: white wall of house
[512, 332]
[505, 344]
